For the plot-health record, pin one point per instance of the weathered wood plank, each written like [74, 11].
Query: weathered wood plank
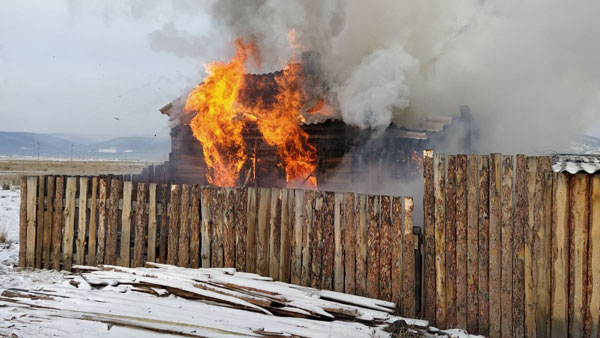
[338, 235]
[472, 244]
[57, 223]
[251, 231]
[173, 236]
[217, 252]
[373, 267]
[409, 298]
[126, 216]
[228, 228]
[428, 289]
[195, 227]
[398, 289]
[92, 244]
[82, 222]
[164, 224]
[450, 243]
[205, 230]
[152, 222]
[483, 261]
[47, 245]
[507, 244]
[560, 255]
[110, 256]
[547, 253]
[361, 247]
[275, 233]
[317, 241]
[296, 259]
[39, 233]
[593, 304]
[578, 223]
[183, 245]
[262, 233]
[101, 233]
[23, 223]
[385, 250]
[350, 244]
[495, 226]
[307, 227]
[31, 220]
[541, 252]
[241, 212]
[69, 226]
[520, 226]
[328, 241]
[141, 222]
[461, 242]
[440, 239]
[530, 259]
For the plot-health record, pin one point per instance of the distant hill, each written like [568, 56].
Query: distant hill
[59, 145]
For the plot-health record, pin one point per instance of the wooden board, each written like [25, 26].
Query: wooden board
[450, 243]
[141, 223]
[92, 244]
[385, 250]
[507, 245]
[373, 267]
[483, 220]
[578, 223]
[39, 233]
[461, 242]
[217, 253]
[409, 298]
[111, 227]
[328, 241]
[593, 304]
[472, 244]
[338, 235]
[361, 247]
[32, 220]
[241, 211]
[520, 218]
[173, 235]
[440, 239]
[47, 245]
[307, 228]
[205, 231]
[428, 293]
[541, 256]
[275, 233]
[228, 228]
[251, 231]
[317, 241]
[152, 223]
[69, 225]
[80, 243]
[560, 254]
[349, 244]
[262, 233]
[183, 245]
[126, 216]
[495, 240]
[296, 241]
[530, 290]
[23, 223]
[164, 224]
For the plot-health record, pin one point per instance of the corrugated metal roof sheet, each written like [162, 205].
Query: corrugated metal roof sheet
[574, 163]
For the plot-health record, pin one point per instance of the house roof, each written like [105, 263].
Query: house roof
[575, 163]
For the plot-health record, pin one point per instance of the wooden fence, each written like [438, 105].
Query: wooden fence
[510, 250]
[353, 243]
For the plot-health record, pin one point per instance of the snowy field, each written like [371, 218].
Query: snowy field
[108, 303]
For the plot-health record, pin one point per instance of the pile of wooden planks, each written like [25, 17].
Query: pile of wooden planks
[198, 302]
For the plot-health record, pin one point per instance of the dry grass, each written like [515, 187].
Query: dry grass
[3, 234]
[16, 167]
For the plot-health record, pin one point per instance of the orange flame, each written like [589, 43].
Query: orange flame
[221, 114]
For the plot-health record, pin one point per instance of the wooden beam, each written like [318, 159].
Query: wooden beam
[262, 233]
[251, 231]
[92, 241]
[560, 252]
[495, 267]
[373, 267]
[141, 223]
[23, 223]
[349, 244]
[361, 245]
[173, 237]
[152, 223]
[113, 214]
[520, 225]
[241, 218]
[31, 220]
[307, 228]
[409, 299]
[450, 243]
[385, 250]
[126, 216]
[507, 245]
[80, 243]
[428, 290]
[484, 237]
[163, 192]
[275, 233]
[47, 245]
[205, 226]
[183, 254]
[317, 241]
[229, 228]
[472, 244]
[440, 239]
[69, 226]
[328, 241]
[593, 260]
[40, 222]
[530, 257]
[338, 235]
[578, 223]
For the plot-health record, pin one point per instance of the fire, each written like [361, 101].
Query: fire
[221, 114]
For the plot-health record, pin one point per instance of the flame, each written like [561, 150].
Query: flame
[221, 114]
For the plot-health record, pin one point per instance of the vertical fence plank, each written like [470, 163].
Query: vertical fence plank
[547, 245]
[251, 234]
[428, 289]
[126, 216]
[163, 192]
[593, 304]
[183, 255]
[139, 238]
[262, 233]
[113, 214]
[296, 251]
[483, 261]
[520, 224]
[241, 211]
[101, 220]
[578, 223]
[399, 291]
[152, 221]
[195, 227]
[31, 220]
[92, 244]
[217, 229]
[530, 260]
[307, 227]
[385, 250]
[274, 233]
[440, 239]
[228, 228]
[40, 222]
[409, 298]
[205, 229]
[560, 256]
[23, 223]
[540, 264]
[373, 267]
[69, 226]
[350, 244]
[47, 245]
[361, 239]
[57, 221]
[317, 241]
[495, 256]
[461, 242]
[286, 219]
[338, 235]
[328, 225]
[507, 244]
[450, 240]
[81, 224]
[472, 244]
[173, 235]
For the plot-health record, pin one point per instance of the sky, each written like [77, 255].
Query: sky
[66, 68]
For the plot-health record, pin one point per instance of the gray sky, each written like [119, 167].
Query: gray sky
[66, 68]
